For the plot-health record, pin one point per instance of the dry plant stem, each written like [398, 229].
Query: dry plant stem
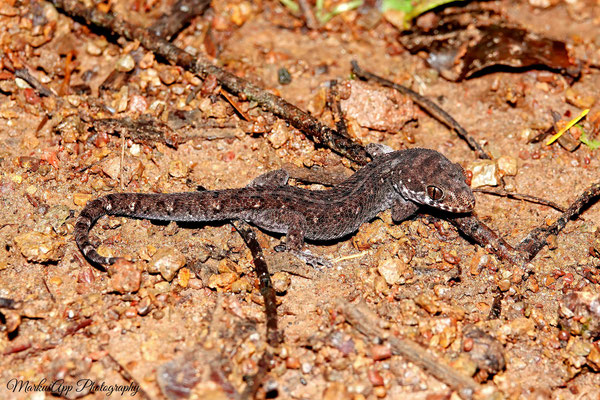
[517, 196]
[433, 109]
[309, 16]
[536, 239]
[367, 323]
[266, 287]
[181, 13]
[333, 103]
[24, 74]
[300, 120]
[482, 234]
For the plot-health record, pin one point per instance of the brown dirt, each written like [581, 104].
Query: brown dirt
[74, 324]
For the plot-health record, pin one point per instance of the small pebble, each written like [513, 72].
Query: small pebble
[380, 352]
[125, 276]
[220, 281]
[284, 77]
[391, 269]
[375, 377]
[38, 247]
[81, 199]
[241, 285]
[507, 165]
[167, 261]
[484, 173]
[126, 63]
[281, 281]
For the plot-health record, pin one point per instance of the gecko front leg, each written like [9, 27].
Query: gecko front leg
[403, 209]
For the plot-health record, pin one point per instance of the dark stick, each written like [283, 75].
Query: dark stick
[300, 120]
[433, 109]
[24, 74]
[266, 287]
[486, 237]
[536, 239]
[517, 196]
[181, 13]
[367, 323]
[309, 16]
[333, 103]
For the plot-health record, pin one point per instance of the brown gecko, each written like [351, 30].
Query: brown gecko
[401, 180]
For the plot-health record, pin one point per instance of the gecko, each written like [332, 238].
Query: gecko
[401, 180]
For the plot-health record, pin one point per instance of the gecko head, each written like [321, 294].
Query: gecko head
[436, 181]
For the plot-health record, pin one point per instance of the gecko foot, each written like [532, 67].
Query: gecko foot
[312, 260]
[307, 257]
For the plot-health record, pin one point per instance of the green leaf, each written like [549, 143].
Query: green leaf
[591, 143]
[410, 9]
[398, 5]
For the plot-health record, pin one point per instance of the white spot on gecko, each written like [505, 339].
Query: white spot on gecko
[132, 206]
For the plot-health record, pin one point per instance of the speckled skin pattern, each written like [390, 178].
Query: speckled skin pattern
[400, 180]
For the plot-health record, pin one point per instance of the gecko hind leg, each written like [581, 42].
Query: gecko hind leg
[296, 224]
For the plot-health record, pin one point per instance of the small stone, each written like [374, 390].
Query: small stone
[579, 99]
[167, 261]
[147, 60]
[138, 104]
[125, 276]
[543, 3]
[122, 99]
[292, 362]
[593, 358]
[168, 75]
[126, 63]
[242, 285]
[281, 281]
[283, 76]
[504, 285]
[81, 199]
[93, 49]
[381, 286]
[375, 377]
[221, 281]
[22, 84]
[380, 392]
[507, 165]
[380, 352]
[38, 247]
[127, 170]
[391, 269]
[484, 173]
[280, 134]
[177, 169]
[12, 320]
[184, 277]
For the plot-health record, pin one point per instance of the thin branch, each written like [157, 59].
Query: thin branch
[537, 238]
[433, 109]
[367, 323]
[518, 196]
[300, 120]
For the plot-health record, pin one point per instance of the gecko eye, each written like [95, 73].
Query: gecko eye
[435, 193]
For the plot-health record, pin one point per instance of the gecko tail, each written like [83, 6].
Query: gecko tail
[92, 211]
